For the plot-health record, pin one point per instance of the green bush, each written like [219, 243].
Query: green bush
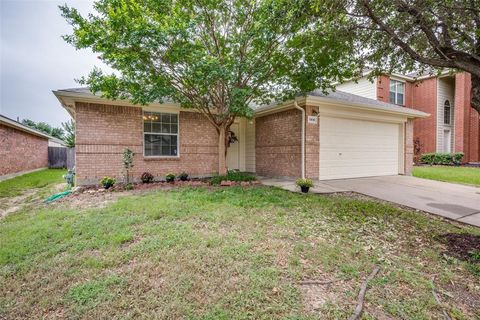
[233, 176]
[308, 183]
[107, 182]
[170, 177]
[440, 158]
[457, 157]
[146, 177]
[183, 176]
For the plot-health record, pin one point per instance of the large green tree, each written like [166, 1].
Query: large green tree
[219, 57]
[69, 137]
[426, 36]
[44, 127]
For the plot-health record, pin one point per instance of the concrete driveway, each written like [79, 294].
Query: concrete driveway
[454, 201]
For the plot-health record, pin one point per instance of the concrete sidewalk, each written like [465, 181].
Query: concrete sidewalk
[289, 184]
[453, 201]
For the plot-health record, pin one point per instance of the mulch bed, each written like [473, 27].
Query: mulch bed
[463, 246]
[120, 187]
[147, 186]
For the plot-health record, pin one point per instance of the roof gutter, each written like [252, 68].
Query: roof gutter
[295, 104]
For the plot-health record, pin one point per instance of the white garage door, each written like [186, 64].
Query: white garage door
[357, 148]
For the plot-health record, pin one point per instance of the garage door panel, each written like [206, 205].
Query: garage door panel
[357, 148]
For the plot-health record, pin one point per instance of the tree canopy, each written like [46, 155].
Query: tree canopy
[423, 36]
[44, 127]
[219, 57]
[69, 136]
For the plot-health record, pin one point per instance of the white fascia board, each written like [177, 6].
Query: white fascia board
[322, 101]
[68, 99]
[410, 113]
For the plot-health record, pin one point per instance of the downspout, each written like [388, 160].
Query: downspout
[303, 136]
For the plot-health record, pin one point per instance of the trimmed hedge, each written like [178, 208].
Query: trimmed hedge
[236, 176]
[442, 158]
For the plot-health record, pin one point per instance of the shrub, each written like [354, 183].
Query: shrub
[304, 183]
[442, 158]
[183, 176]
[233, 176]
[127, 162]
[146, 177]
[457, 157]
[129, 186]
[107, 182]
[170, 177]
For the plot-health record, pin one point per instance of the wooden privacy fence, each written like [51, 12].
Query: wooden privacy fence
[60, 157]
[70, 158]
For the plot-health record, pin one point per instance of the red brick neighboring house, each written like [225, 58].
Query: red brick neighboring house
[320, 137]
[22, 149]
[453, 126]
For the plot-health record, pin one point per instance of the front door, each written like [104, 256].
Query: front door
[447, 141]
[233, 151]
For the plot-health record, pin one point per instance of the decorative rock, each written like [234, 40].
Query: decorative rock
[77, 189]
[244, 183]
[226, 183]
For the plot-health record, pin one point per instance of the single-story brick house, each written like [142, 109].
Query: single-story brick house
[324, 137]
[22, 149]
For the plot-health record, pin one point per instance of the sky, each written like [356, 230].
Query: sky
[34, 59]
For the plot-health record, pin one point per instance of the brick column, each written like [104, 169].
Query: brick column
[409, 147]
[462, 113]
[312, 144]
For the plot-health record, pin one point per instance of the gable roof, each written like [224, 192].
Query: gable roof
[17, 125]
[353, 100]
[336, 97]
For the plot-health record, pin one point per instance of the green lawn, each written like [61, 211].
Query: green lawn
[463, 175]
[34, 180]
[229, 253]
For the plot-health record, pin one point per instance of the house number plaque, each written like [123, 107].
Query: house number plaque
[312, 119]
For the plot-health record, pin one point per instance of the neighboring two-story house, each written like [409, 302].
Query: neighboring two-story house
[453, 126]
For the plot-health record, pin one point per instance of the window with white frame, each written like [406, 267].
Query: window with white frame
[397, 91]
[160, 133]
[447, 112]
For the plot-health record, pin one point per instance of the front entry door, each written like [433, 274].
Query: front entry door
[233, 152]
[447, 141]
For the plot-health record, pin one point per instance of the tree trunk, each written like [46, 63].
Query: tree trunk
[475, 102]
[222, 151]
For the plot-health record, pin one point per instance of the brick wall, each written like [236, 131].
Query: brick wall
[424, 98]
[383, 88]
[408, 97]
[467, 120]
[103, 131]
[21, 151]
[278, 144]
